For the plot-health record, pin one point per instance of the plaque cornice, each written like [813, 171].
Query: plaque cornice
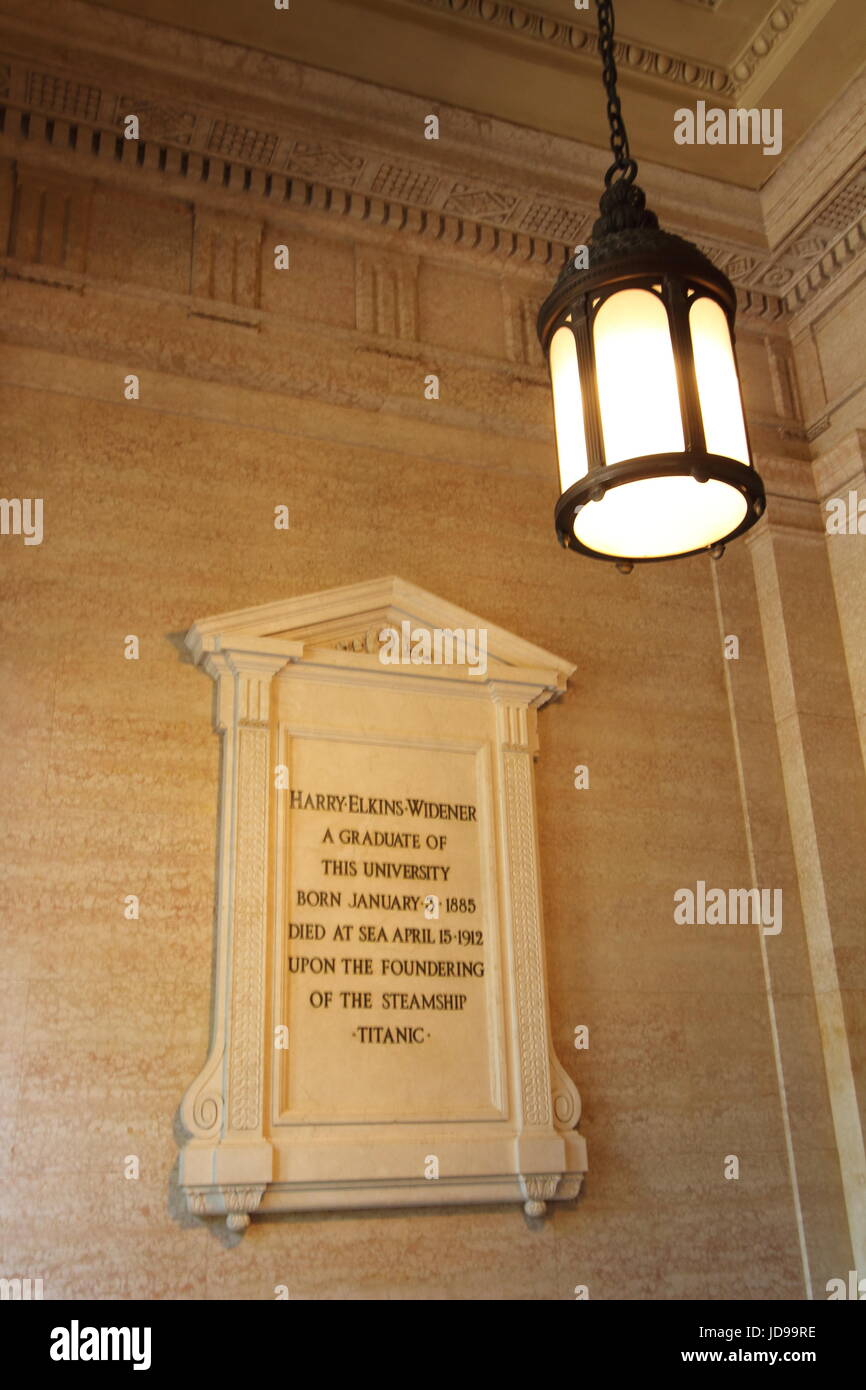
[523, 690]
[243, 652]
[386, 602]
[243, 674]
[520, 685]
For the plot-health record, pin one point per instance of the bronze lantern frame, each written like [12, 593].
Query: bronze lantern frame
[628, 250]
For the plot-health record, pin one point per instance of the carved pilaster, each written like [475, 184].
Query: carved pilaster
[248, 739]
[386, 293]
[50, 219]
[226, 258]
[782, 379]
[529, 977]
[840, 480]
[235, 1066]
[517, 741]
[520, 309]
[7, 195]
[248, 923]
[549, 1098]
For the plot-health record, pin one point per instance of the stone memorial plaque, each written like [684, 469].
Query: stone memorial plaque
[389, 957]
[381, 1033]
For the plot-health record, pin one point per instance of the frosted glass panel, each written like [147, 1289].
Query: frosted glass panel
[637, 382]
[718, 386]
[567, 408]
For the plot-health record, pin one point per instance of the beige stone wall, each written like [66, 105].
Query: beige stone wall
[306, 387]
[824, 743]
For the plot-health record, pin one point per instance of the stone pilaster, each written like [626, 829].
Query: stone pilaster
[840, 478]
[236, 1066]
[825, 790]
[547, 1095]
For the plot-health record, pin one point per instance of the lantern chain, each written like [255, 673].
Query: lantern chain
[623, 164]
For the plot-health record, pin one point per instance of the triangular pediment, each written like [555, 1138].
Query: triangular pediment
[350, 619]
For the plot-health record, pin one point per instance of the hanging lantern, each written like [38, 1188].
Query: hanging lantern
[654, 456]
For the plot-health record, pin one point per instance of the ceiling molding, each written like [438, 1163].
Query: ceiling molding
[492, 64]
[775, 30]
[73, 111]
[518, 21]
[522, 22]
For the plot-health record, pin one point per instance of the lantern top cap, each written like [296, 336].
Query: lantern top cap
[628, 253]
[622, 205]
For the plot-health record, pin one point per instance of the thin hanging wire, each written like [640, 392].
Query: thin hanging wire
[623, 167]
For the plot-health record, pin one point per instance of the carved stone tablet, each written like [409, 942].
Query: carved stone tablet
[381, 1026]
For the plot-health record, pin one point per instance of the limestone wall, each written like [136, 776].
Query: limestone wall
[306, 387]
